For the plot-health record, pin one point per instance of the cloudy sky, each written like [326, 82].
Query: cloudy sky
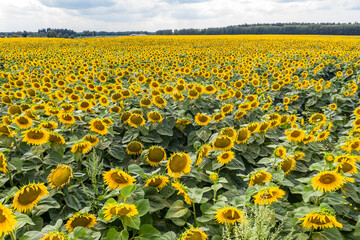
[152, 15]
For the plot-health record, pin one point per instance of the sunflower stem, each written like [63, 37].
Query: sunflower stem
[214, 192]
[13, 235]
[194, 213]
[311, 232]
[273, 167]
[11, 179]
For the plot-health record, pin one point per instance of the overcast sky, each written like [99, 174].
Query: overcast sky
[152, 15]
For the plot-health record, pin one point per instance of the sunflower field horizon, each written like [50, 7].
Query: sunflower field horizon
[180, 137]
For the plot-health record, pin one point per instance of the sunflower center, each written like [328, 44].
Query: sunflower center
[178, 163]
[99, 125]
[29, 195]
[118, 178]
[346, 167]
[23, 120]
[320, 221]
[155, 116]
[35, 135]
[194, 236]
[61, 176]
[295, 134]
[231, 215]
[202, 118]
[81, 221]
[123, 211]
[136, 119]
[156, 155]
[67, 117]
[2, 216]
[155, 182]
[135, 147]
[222, 142]
[259, 178]
[286, 166]
[327, 178]
[242, 135]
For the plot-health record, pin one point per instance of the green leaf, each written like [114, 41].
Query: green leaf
[116, 151]
[168, 236]
[31, 235]
[130, 136]
[357, 229]
[328, 234]
[127, 190]
[148, 231]
[124, 235]
[134, 168]
[23, 219]
[177, 210]
[203, 133]
[142, 206]
[309, 192]
[133, 221]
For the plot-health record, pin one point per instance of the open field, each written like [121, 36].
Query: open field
[191, 138]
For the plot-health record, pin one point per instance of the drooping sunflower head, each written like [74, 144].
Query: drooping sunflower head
[264, 126]
[225, 157]
[134, 148]
[155, 155]
[347, 166]
[115, 178]
[178, 163]
[202, 119]
[259, 178]
[136, 120]
[295, 135]
[60, 176]
[287, 164]
[98, 126]
[280, 152]
[217, 117]
[7, 220]
[66, 118]
[319, 220]
[14, 110]
[81, 147]
[158, 182]
[227, 108]
[203, 152]
[317, 118]
[119, 209]
[48, 125]
[36, 136]
[253, 127]
[92, 139]
[182, 190]
[23, 122]
[268, 195]
[54, 236]
[194, 234]
[3, 163]
[159, 101]
[222, 143]
[79, 219]
[28, 196]
[155, 116]
[56, 138]
[229, 131]
[328, 181]
[229, 215]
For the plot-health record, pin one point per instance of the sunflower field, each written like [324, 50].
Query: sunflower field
[181, 137]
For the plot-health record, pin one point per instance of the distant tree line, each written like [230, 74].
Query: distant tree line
[68, 33]
[274, 28]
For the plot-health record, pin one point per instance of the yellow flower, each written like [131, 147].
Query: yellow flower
[179, 163]
[23, 122]
[225, 157]
[287, 165]
[194, 234]
[7, 220]
[28, 196]
[48, 125]
[119, 209]
[158, 182]
[54, 236]
[136, 120]
[115, 178]
[242, 136]
[134, 148]
[295, 135]
[3, 164]
[328, 181]
[36, 136]
[229, 215]
[222, 143]
[155, 155]
[268, 195]
[333, 106]
[280, 152]
[85, 220]
[182, 190]
[82, 147]
[203, 152]
[60, 176]
[155, 116]
[56, 138]
[319, 220]
[66, 118]
[202, 119]
[92, 139]
[159, 101]
[229, 131]
[260, 177]
[98, 126]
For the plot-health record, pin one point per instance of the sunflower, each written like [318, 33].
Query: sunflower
[280, 152]
[85, 220]
[60, 176]
[229, 131]
[155, 155]
[229, 215]
[159, 101]
[98, 126]
[158, 182]
[287, 164]
[82, 147]
[328, 181]
[357, 112]
[264, 126]
[317, 118]
[66, 118]
[136, 120]
[119, 209]
[308, 138]
[116, 178]
[14, 110]
[202, 119]
[295, 135]
[7, 220]
[84, 105]
[222, 143]
[3, 164]
[134, 148]
[347, 166]
[36, 136]
[268, 195]
[227, 108]
[203, 152]
[225, 157]
[333, 106]
[23, 122]
[320, 220]
[48, 125]
[218, 116]
[253, 127]
[242, 135]
[322, 136]
[92, 139]
[178, 163]
[28, 196]
[194, 234]
[259, 178]
[239, 114]
[54, 236]
[155, 116]
[182, 190]
[56, 138]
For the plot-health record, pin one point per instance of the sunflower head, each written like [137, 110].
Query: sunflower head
[182, 190]
[268, 195]
[155, 155]
[259, 178]
[28, 196]
[222, 143]
[81, 147]
[319, 220]
[60, 176]
[280, 152]
[115, 178]
[36, 136]
[179, 163]
[229, 215]
[54, 236]
[136, 120]
[225, 157]
[92, 139]
[85, 220]
[7, 220]
[328, 181]
[134, 148]
[98, 126]
[3, 163]
[194, 234]
[119, 209]
[295, 135]
[202, 119]
[158, 182]
[287, 164]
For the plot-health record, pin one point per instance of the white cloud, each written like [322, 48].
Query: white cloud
[151, 15]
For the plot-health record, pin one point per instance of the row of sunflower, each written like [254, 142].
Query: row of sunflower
[175, 137]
